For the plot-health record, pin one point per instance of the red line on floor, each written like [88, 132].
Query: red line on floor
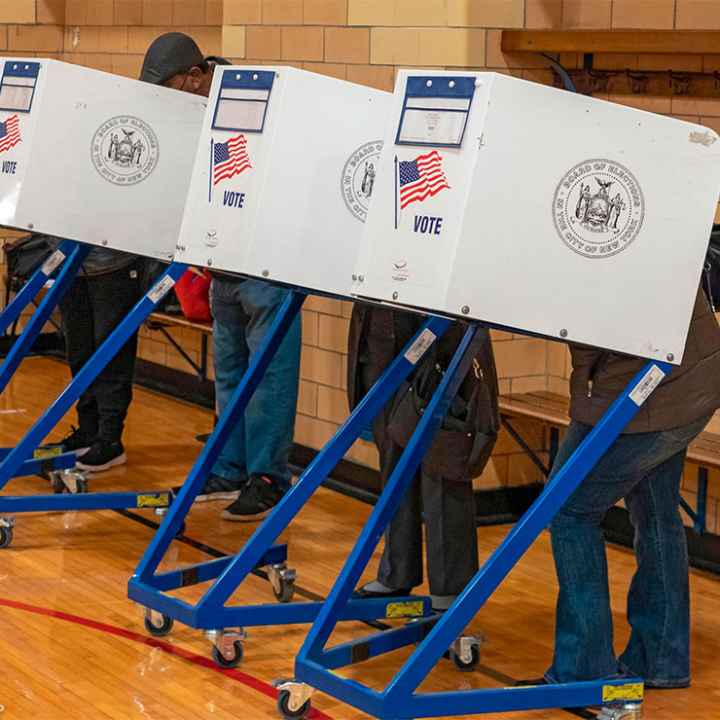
[243, 678]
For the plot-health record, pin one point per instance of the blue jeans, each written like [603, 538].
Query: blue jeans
[260, 443]
[643, 469]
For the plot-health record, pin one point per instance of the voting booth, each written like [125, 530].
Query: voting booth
[286, 167]
[536, 210]
[99, 160]
[527, 207]
[284, 172]
[95, 157]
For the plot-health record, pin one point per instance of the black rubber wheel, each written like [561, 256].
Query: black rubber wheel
[159, 630]
[236, 659]
[467, 667]
[287, 591]
[283, 706]
[6, 537]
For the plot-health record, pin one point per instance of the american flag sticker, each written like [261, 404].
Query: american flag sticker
[229, 159]
[421, 178]
[9, 133]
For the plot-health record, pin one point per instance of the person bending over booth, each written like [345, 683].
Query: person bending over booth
[643, 467]
[253, 466]
[442, 492]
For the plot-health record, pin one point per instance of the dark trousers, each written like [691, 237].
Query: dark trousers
[448, 508]
[92, 308]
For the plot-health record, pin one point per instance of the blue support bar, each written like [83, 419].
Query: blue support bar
[102, 356]
[390, 498]
[398, 700]
[34, 285]
[79, 501]
[217, 440]
[701, 516]
[41, 465]
[319, 469]
[202, 572]
[210, 612]
[69, 269]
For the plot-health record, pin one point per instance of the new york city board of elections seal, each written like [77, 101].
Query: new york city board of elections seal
[358, 178]
[125, 150]
[598, 208]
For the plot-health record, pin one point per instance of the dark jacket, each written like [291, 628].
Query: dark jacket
[689, 393]
[465, 441]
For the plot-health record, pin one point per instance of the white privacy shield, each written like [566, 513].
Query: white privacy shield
[95, 157]
[283, 176]
[536, 209]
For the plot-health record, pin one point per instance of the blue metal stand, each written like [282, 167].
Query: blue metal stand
[14, 461]
[69, 257]
[210, 613]
[399, 700]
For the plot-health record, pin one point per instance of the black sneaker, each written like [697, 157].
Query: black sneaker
[102, 456]
[362, 593]
[217, 488]
[257, 499]
[77, 441]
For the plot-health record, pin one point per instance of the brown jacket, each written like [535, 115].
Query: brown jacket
[689, 393]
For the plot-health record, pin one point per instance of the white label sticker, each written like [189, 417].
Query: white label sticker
[161, 289]
[53, 262]
[420, 346]
[652, 378]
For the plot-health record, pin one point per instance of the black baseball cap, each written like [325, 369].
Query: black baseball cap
[168, 55]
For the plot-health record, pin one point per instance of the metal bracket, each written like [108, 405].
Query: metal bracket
[625, 711]
[298, 694]
[279, 574]
[7, 522]
[224, 640]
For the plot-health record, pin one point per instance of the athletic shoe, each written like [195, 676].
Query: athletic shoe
[366, 593]
[217, 488]
[76, 441]
[102, 456]
[257, 499]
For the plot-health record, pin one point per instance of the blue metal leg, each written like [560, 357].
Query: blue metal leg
[22, 346]
[390, 498]
[701, 515]
[47, 421]
[210, 610]
[34, 285]
[398, 700]
[219, 437]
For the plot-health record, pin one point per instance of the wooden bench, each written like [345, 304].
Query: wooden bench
[552, 410]
[162, 321]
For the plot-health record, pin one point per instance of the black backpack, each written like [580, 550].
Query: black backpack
[711, 271]
[24, 256]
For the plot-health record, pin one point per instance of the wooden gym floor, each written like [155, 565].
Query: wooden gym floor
[73, 646]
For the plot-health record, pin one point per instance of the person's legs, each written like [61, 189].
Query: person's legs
[77, 322]
[270, 415]
[659, 599]
[401, 567]
[230, 353]
[112, 296]
[450, 536]
[584, 635]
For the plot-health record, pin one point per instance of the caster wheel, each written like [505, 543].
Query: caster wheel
[159, 630]
[232, 662]
[6, 536]
[463, 666]
[283, 705]
[287, 591]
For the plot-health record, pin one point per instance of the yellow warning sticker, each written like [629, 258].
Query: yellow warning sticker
[630, 691]
[157, 500]
[47, 452]
[410, 608]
